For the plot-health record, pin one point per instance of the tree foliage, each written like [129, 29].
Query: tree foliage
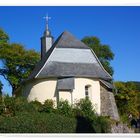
[102, 51]
[4, 38]
[17, 61]
[127, 99]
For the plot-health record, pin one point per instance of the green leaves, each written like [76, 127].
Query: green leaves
[64, 108]
[19, 116]
[127, 99]
[3, 37]
[17, 61]
[48, 106]
[102, 51]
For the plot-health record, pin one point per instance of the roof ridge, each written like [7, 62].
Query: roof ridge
[68, 40]
[100, 63]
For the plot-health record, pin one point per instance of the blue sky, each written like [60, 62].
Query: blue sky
[118, 27]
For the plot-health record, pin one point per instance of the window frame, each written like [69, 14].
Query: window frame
[87, 91]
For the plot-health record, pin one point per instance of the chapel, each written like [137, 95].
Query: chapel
[70, 70]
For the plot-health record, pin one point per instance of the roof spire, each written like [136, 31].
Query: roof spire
[47, 20]
[47, 31]
[46, 39]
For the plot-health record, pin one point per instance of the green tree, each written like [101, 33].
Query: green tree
[102, 51]
[127, 99]
[17, 61]
[4, 38]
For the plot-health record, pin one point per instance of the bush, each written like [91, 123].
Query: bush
[124, 118]
[9, 106]
[37, 123]
[101, 124]
[9, 103]
[48, 106]
[1, 105]
[23, 117]
[64, 108]
[26, 122]
[85, 107]
[94, 123]
[61, 124]
[36, 105]
[22, 105]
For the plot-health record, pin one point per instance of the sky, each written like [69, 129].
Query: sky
[118, 27]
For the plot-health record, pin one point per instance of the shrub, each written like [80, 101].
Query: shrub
[23, 117]
[64, 108]
[36, 105]
[101, 124]
[93, 122]
[124, 118]
[37, 123]
[85, 107]
[48, 106]
[76, 112]
[2, 107]
[22, 105]
[9, 103]
[61, 124]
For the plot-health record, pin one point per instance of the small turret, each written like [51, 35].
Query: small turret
[46, 39]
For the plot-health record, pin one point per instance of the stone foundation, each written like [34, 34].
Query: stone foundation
[108, 104]
[121, 128]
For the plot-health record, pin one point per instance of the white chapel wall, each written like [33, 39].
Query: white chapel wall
[65, 95]
[41, 90]
[79, 91]
[46, 89]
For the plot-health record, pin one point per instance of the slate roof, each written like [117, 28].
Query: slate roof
[67, 40]
[58, 69]
[108, 84]
[57, 64]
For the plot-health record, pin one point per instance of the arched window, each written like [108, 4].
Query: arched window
[88, 91]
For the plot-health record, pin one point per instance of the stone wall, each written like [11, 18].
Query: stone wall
[109, 108]
[121, 128]
[108, 104]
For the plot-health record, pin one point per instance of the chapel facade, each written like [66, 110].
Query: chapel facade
[70, 70]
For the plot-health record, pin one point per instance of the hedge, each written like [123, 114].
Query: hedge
[37, 123]
[19, 116]
[50, 123]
